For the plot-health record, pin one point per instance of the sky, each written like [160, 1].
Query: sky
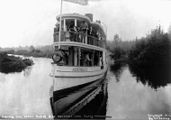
[31, 22]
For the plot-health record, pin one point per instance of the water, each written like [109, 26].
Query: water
[27, 93]
[131, 99]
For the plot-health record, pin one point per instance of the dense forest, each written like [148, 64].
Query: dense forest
[148, 58]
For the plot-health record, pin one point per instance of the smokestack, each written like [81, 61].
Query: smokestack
[90, 16]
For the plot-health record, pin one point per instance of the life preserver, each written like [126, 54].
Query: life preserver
[58, 56]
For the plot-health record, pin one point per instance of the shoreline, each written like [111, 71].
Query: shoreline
[10, 63]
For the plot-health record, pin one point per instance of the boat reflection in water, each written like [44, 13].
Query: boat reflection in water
[117, 69]
[87, 101]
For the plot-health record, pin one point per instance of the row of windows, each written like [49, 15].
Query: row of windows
[77, 56]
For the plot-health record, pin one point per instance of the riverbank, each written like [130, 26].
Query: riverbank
[31, 51]
[148, 59]
[10, 64]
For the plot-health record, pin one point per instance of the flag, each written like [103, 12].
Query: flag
[81, 2]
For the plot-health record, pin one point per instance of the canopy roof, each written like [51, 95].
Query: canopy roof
[74, 15]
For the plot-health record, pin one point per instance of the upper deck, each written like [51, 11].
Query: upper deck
[76, 28]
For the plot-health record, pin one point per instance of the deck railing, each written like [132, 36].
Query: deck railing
[78, 37]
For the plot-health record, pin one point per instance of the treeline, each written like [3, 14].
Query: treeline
[119, 49]
[148, 58]
[43, 51]
[155, 44]
[12, 63]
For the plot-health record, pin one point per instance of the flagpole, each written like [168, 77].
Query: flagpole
[60, 23]
[59, 40]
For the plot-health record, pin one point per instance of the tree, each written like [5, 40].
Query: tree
[116, 38]
[32, 49]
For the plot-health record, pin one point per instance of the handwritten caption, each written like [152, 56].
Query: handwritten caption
[159, 117]
[52, 117]
[27, 116]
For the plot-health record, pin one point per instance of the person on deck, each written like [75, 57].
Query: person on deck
[84, 29]
[87, 60]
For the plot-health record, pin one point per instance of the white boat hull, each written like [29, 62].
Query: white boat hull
[74, 93]
[67, 78]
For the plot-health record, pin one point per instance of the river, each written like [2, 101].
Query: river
[27, 93]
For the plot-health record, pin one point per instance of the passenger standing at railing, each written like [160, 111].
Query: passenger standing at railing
[56, 29]
[93, 36]
[89, 35]
[76, 34]
[84, 29]
[98, 38]
[87, 60]
[56, 33]
[67, 36]
[71, 31]
[81, 32]
[90, 30]
[101, 61]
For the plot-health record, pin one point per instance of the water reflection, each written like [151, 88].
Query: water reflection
[27, 92]
[153, 76]
[27, 71]
[132, 100]
[117, 69]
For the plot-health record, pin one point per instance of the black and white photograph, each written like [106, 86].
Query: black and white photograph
[85, 59]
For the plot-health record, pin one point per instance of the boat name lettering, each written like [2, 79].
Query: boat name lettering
[79, 69]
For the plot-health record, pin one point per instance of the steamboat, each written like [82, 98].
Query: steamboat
[79, 58]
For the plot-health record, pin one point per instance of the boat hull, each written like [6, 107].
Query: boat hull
[66, 77]
[67, 82]
[70, 100]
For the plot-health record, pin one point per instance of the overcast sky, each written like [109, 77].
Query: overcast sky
[31, 22]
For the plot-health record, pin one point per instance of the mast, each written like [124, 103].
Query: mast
[60, 29]
[60, 22]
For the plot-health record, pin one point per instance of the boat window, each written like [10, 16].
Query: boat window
[69, 56]
[90, 57]
[86, 57]
[77, 56]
